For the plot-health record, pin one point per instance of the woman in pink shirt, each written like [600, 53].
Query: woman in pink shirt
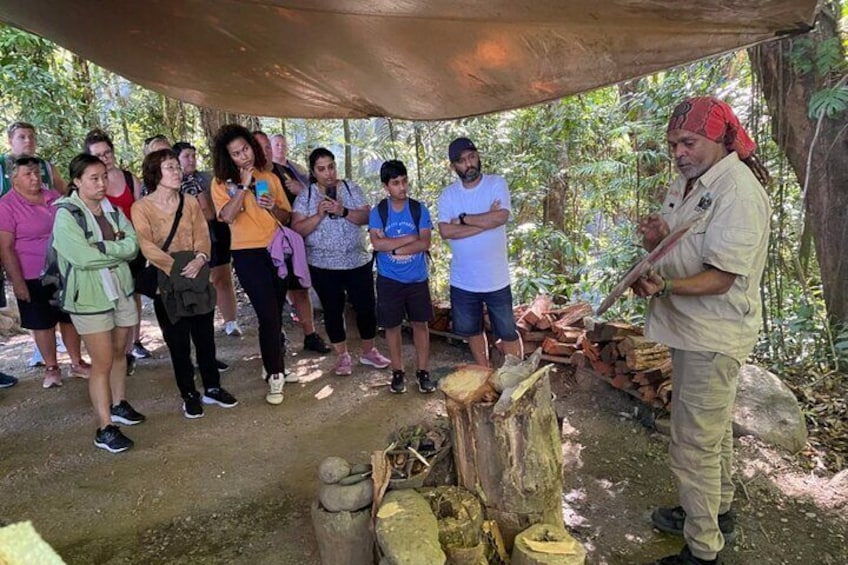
[26, 223]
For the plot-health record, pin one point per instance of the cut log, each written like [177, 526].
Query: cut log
[578, 359]
[608, 331]
[574, 313]
[654, 375]
[622, 381]
[460, 517]
[513, 463]
[554, 347]
[535, 335]
[664, 392]
[602, 368]
[538, 308]
[468, 384]
[546, 544]
[630, 343]
[591, 351]
[648, 393]
[609, 353]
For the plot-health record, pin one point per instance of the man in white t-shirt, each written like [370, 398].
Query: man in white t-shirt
[473, 212]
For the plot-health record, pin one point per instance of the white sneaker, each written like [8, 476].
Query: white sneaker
[290, 376]
[276, 382]
[232, 328]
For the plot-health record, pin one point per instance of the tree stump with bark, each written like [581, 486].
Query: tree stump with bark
[510, 454]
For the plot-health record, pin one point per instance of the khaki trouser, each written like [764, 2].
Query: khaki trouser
[701, 447]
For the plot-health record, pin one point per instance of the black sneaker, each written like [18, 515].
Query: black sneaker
[7, 380]
[192, 407]
[112, 440]
[125, 414]
[671, 521]
[685, 557]
[314, 342]
[130, 365]
[425, 384]
[139, 351]
[220, 397]
[398, 382]
[222, 367]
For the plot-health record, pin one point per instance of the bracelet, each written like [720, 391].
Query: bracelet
[665, 290]
[202, 255]
[345, 212]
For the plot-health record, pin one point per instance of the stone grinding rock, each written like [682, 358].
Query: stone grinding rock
[546, 544]
[407, 530]
[332, 470]
[344, 538]
[350, 498]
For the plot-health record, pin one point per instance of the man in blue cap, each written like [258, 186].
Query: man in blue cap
[473, 212]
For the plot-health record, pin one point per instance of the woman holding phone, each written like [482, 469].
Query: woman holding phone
[252, 201]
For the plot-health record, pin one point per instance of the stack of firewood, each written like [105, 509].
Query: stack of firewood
[557, 330]
[441, 316]
[621, 355]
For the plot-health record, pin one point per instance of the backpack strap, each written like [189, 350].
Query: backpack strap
[78, 215]
[414, 211]
[128, 178]
[383, 210]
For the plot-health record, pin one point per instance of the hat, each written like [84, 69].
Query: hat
[459, 145]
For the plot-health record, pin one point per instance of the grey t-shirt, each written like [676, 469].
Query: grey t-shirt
[336, 243]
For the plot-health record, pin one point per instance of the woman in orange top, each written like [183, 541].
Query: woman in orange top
[252, 201]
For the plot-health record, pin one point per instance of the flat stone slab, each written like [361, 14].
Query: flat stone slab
[407, 531]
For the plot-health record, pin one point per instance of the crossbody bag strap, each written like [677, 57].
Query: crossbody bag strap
[175, 225]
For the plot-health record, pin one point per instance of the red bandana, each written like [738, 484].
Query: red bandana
[714, 120]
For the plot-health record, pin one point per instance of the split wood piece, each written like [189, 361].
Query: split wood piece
[512, 394]
[561, 359]
[578, 359]
[648, 393]
[544, 322]
[344, 538]
[654, 375]
[513, 464]
[609, 352]
[554, 347]
[535, 335]
[381, 475]
[605, 369]
[441, 316]
[630, 343]
[591, 350]
[468, 384]
[622, 381]
[573, 313]
[608, 331]
[567, 334]
[540, 305]
[546, 544]
[664, 392]
[642, 359]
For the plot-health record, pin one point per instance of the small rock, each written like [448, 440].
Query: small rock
[811, 514]
[337, 498]
[333, 469]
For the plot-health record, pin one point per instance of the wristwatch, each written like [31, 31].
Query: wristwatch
[394, 251]
[462, 219]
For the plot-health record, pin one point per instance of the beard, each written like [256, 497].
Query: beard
[471, 173]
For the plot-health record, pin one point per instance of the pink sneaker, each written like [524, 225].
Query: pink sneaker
[81, 371]
[52, 377]
[344, 365]
[375, 359]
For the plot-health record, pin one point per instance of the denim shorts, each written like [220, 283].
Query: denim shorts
[467, 312]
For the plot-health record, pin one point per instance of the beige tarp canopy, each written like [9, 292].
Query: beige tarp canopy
[416, 59]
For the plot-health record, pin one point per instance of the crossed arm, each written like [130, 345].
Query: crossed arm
[404, 245]
[475, 223]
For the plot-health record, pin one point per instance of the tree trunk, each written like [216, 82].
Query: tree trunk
[347, 150]
[788, 92]
[212, 120]
[513, 463]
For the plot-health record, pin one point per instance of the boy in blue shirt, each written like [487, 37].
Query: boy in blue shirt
[400, 233]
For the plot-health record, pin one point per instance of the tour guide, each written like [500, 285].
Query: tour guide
[705, 306]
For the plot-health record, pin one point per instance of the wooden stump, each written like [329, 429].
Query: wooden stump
[344, 538]
[513, 462]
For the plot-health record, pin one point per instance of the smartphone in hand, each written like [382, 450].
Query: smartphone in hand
[261, 188]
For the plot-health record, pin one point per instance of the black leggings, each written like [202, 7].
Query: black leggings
[267, 294]
[358, 284]
[178, 338]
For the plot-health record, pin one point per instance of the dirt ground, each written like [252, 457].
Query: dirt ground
[236, 485]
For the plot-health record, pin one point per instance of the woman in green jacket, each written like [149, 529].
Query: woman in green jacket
[94, 242]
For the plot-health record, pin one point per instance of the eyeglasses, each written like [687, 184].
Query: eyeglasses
[172, 168]
[107, 153]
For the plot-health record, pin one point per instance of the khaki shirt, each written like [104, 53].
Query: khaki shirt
[732, 236]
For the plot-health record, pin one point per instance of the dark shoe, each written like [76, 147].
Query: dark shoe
[671, 521]
[130, 365]
[192, 407]
[314, 342]
[112, 440]
[398, 382]
[425, 384]
[222, 367]
[685, 557]
[7, 380]
[139, 351]
[125, 414]
[220, 397]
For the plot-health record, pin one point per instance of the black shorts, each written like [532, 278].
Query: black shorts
[219, 234]
[38, 313]
[292, 282]
[394, 299]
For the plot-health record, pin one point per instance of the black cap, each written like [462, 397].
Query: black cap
[459, 145]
